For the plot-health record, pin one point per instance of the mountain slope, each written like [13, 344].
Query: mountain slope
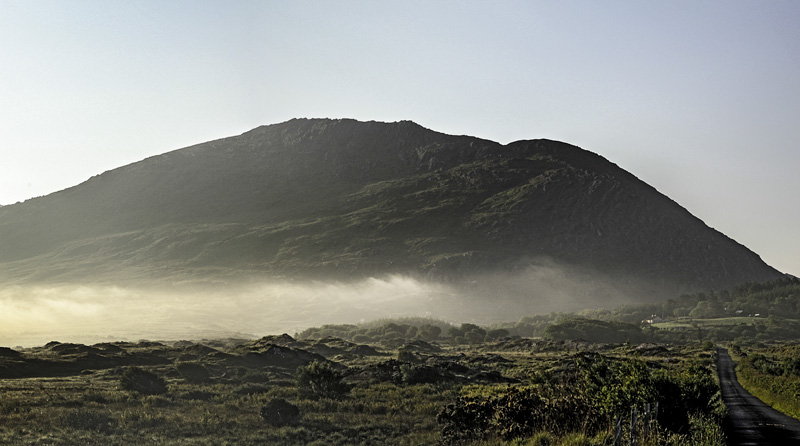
[347, 199]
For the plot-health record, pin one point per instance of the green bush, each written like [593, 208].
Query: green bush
[584, 397]
[135, 379]
[684, 394]
[467, 420]
[320, 380]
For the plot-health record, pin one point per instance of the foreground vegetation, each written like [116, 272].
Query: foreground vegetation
[279, 390]
[772, 374]
[595, 378]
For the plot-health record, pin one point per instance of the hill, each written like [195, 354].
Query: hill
[342, 199]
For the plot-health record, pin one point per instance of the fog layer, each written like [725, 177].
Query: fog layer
[34, 315]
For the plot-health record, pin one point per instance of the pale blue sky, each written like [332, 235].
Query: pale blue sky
[701, 99]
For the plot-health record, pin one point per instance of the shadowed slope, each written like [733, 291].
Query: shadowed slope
[347, 199]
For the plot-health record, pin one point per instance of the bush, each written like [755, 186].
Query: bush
[193, 372]
[683, 394]
[541, 439]
[586, 398]
[320, 380]
[467, 420]
[141, 381]
[279, 412]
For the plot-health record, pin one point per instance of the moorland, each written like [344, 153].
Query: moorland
[284, 391]
[568, 380]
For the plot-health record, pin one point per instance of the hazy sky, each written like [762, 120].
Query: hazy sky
[701, 99]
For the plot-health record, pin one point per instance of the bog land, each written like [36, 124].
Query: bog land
[284, 390]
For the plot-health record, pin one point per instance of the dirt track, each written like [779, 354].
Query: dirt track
[750, 421]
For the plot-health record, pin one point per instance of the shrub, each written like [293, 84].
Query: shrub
[320, 380]
[467, 420]
[540, 439]
[279, 412]
[141, 381]
[193, 372]
[683, 394]
[584, 398]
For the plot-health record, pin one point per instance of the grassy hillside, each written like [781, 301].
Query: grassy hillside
[344, 199]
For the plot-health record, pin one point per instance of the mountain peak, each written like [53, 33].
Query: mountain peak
[343, 198]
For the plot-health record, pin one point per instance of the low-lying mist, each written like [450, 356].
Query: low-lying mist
[34, 315]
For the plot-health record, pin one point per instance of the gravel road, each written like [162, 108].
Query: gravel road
[750, 421]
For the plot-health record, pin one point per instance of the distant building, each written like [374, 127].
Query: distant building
[655, 319]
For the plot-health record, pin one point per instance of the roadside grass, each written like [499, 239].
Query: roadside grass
[773, 391]
[762, 372]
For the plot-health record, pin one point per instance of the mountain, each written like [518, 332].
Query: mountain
[342, 199]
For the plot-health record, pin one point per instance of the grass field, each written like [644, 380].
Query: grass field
[716, 322]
